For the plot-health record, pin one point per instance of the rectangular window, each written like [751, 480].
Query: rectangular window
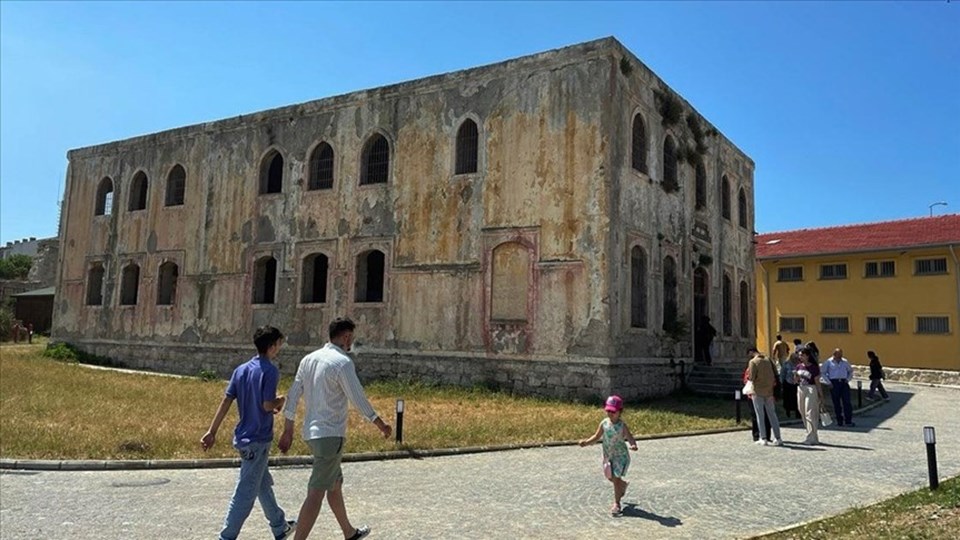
[929, 267]
[933, 325]
[792, 324]
[880, 269]
[790, 273]
[833, 271]
[881, 325]
[834, 324]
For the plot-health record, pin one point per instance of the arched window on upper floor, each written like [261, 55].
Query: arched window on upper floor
[742, 216]
[638, 145]
[129, 285]
[468, 147]
[271, 173]
[725, 197]
[167, 283]
[313, 290]
[321, 167]
[701, 185]
[375, 161]
[138, 192]
[265, 280]
[370, 276]
[670, 182]
[104, 203]
[176, 186]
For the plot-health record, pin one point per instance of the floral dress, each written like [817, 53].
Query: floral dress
[615, 447]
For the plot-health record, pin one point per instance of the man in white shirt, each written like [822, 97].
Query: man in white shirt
[328, 381]
[839, 372]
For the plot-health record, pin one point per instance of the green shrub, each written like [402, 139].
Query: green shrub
[208, 375]
[6, 323]
[62, 351]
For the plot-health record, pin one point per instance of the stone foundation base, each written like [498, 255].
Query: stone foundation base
[920, 376]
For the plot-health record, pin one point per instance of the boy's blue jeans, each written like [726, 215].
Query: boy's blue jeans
[254, 482]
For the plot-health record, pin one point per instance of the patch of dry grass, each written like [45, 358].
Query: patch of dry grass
[56, 410]
[920, 514]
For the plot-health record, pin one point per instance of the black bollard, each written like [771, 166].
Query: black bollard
[736, 397]
[399, 421]
[930, 438]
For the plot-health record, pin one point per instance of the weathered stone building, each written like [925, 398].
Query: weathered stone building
[534, 224]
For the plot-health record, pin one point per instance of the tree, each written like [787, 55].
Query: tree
[15, 266]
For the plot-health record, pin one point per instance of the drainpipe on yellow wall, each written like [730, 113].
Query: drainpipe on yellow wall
[956, 272]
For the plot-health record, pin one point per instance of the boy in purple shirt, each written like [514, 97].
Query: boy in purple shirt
[254, 386]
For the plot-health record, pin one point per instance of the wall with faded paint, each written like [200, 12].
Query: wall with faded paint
[519, 264]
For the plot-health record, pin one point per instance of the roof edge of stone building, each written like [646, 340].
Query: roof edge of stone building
[560, 55]
[622, 49]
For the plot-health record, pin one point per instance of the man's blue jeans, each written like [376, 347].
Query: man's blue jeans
[253, 483]
[842, 408]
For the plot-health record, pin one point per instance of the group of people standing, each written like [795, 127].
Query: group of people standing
[799, 380]
[327, 380]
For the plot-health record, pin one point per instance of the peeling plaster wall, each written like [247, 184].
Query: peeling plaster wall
[550, 181]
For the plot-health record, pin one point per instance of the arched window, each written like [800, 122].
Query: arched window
[375, 166]
[265, 280]
[321, 167]
[370, 276]
[701, 185]
[725, 197]
[670, 164]
[176, 186]
[271, 173]
[95, 285]
[313, 290]
[468, 141]
[638, 288]
[669, 293]
[742, 208]
[167, 283]
[509, 282]
[727, 306]
[104, 205]
[744, 309]
[129, 285]
[138, 192]
[638, 145]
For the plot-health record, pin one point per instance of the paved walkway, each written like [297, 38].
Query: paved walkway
[713, 486]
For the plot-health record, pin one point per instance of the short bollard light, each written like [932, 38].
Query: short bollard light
[399, 421]
[859, 394]
[736, 397]
[930, 439]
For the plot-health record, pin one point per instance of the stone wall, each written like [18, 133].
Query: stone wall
[917, 376]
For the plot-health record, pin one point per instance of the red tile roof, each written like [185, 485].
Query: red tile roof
[917, 232]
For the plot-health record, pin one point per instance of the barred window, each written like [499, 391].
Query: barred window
[321, 168]
[790, 273]
[834, 324]
[881, 325]
[793, 324]
[833, 271]
[468, 140]
[375, 168]
[927, 267]
[933, 325]
[880, 269]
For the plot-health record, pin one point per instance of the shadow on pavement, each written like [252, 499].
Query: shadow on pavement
[845, 446]
[633, 511]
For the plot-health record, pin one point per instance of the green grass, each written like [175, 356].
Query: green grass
[919, 514]
[63, 410]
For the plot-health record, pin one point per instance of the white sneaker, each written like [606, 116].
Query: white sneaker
[777, 442]
[760, 442]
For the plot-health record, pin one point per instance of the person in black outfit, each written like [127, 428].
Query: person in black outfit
[705, 332]
[876, 377]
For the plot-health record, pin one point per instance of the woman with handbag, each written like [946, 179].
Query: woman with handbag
[748, 392]
[806, 377]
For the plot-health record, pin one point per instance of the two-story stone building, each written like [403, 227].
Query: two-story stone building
[551, 225]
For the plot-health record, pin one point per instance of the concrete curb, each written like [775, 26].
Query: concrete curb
[294, 461]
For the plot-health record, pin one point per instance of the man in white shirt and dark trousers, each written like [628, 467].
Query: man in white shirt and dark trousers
[839, 372]
[328, 381]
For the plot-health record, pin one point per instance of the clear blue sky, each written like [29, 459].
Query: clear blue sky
[851, 110]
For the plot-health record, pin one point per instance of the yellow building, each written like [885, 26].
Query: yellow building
[892, 287]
